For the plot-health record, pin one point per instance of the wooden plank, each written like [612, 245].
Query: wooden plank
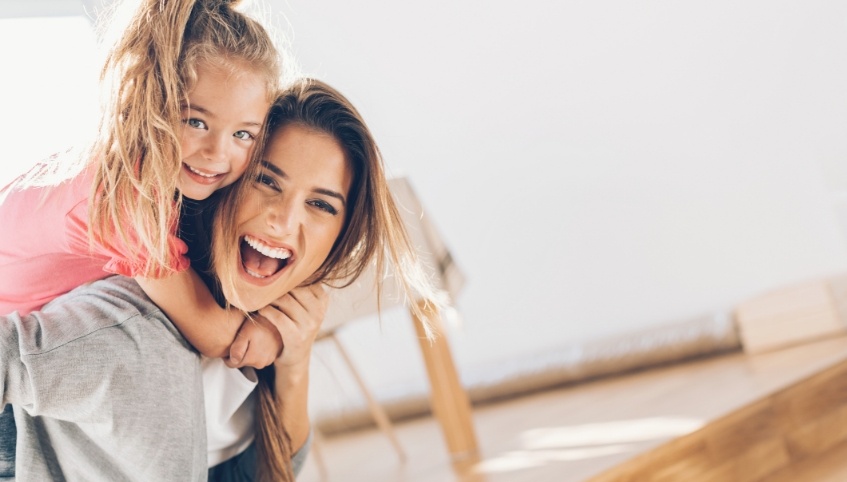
[763, 438]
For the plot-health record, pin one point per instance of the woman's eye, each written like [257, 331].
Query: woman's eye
[243, 135]
[267, 181]
[324, 206]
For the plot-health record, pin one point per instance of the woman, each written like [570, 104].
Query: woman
[316, 209]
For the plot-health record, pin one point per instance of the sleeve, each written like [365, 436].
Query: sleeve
[39, 364]
[120, 264]
[122, 258]
[15, 386]
[68, 361]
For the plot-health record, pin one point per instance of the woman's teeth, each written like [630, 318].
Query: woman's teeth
[253, 273]
[278, 253]
[203, 174]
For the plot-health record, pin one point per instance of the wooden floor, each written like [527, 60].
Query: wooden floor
[578, 432]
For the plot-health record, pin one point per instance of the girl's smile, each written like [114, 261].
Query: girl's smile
[220, 126]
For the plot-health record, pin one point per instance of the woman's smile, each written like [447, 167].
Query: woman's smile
[261, 260]
[291, 216]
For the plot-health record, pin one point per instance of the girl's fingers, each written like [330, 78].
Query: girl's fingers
[297, 316]
[291, 308]
[237, 350]
[305, 305]
[283, 324]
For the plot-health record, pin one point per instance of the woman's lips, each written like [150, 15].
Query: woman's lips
[262, 263]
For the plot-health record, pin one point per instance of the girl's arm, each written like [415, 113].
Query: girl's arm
[298, 317]
[187, 301]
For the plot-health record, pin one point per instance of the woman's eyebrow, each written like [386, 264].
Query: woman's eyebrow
[326, 192]
[279, 172]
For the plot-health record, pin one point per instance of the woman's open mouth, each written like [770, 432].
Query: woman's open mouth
[262, 261]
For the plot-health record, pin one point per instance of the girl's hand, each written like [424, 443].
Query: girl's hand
[256, 345]
[298, 317]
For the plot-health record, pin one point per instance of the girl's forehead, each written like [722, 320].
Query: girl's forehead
[230, 69]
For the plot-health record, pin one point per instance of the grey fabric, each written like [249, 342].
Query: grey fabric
[299, 457]
[104, 388]
[8, 435]
[242, 467]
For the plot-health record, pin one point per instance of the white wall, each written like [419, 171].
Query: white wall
[596, 166]
[48, 89]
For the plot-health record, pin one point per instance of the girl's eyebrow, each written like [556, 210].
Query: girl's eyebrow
[326, 192]
[199, 109]
[209, 113]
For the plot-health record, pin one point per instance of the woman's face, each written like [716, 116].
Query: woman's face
[291, 215]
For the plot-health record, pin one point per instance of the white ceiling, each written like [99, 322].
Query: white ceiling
[49, 8]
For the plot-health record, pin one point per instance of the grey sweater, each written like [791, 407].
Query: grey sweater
[105, 389]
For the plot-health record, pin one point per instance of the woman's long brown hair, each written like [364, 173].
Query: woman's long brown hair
[373, 233]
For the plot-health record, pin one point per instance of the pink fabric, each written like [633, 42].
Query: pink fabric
[44, 247]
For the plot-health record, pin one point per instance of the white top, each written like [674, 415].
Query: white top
[230, 401]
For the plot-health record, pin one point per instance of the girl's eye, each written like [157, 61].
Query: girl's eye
[324, 206]
[243, 135]
[195, 123]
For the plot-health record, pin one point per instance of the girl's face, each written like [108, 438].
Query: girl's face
[291, 216]
[225, 114]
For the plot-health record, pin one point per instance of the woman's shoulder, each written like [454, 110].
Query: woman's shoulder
[116, 304]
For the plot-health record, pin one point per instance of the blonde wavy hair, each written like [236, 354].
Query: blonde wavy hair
[152, 67]
[373, 234]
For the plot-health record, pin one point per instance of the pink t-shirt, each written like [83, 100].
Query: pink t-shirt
[44, 247]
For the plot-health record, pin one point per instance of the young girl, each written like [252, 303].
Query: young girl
[192, 81]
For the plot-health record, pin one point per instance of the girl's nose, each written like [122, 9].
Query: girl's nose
[214, 147]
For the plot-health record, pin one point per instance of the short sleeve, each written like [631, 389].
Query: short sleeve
[120, 257]
[120, 264]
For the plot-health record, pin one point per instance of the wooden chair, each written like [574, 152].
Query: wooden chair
[449, 400]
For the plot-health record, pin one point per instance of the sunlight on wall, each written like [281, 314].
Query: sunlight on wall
[49, 90]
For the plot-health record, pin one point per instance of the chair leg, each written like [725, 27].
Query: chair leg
[378, 413]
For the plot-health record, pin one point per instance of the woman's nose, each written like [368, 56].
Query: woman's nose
[284, 217]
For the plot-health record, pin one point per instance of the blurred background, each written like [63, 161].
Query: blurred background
[597, 169]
